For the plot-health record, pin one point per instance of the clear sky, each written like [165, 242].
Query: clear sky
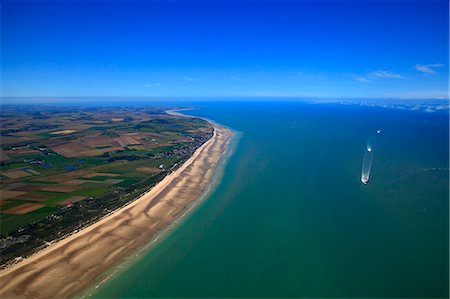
[386, 49]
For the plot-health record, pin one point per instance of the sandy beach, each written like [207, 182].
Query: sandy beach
[75, 263]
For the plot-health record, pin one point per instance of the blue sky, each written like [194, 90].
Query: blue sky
[387, 49]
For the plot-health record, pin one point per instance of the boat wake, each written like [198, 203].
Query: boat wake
[366, 166]
[368, 158]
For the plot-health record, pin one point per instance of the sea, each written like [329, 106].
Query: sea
[290, 217]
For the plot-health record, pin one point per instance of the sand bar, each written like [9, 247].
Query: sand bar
[73, 264]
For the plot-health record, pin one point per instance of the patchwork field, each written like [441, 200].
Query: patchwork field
[23, 208]
[73, 165]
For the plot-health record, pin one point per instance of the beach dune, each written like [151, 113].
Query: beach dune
[75, 263]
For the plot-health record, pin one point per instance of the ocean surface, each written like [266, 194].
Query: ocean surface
[290, 216]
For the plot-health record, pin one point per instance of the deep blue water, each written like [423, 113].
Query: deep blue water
[291, 218]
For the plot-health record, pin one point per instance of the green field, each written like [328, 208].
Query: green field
[92, 157]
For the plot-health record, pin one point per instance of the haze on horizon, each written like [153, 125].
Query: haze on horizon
[366, 49]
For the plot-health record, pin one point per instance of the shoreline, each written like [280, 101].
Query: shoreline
[71, 265]
[131, 260]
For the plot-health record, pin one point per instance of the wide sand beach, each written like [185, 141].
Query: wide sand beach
[75, 263]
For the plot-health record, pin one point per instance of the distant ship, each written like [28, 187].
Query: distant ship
[364, 179]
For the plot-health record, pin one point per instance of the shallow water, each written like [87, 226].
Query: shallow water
[291, 218]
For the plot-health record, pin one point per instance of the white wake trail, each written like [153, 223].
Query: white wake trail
[366, 166]
[368, 157]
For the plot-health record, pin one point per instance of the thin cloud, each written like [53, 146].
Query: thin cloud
[428, 68]
[238, 79]
[378, 74]
[303, 75]
[150, 85]
[190, 79]
[362, 79]
[385, 74]
[423, 94]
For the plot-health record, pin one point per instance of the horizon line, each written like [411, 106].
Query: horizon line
[230, 97]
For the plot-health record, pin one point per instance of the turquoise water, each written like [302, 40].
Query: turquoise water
[291, 218]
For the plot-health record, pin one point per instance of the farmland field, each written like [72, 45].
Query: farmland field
[63, 168]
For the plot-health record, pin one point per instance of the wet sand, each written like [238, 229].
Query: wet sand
[75, 263]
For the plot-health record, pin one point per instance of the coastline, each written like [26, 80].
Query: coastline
[139, 254]
[67, 267]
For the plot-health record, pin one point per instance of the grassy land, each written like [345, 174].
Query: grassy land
[111, 155]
